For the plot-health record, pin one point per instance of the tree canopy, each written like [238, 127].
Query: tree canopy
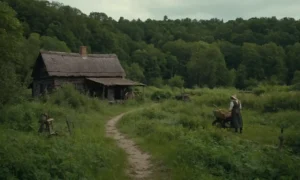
[240, 53]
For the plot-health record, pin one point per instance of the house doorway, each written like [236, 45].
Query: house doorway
[119, 93]
[111, 93]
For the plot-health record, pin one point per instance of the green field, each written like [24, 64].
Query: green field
[84, 154]
[178, 135]
[211, 58]
[186, 146]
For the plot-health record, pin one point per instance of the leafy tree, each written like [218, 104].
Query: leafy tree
[30, 51]
[172, 66]
[10, 84]
[10, 59]
[176, 81]
[273, 58]
[53, 44]
[135, 72]
[232, 53]
[207, 66]
[293, 60]
[241, 77]
[157, 82]
[261, 49]
[10, 35]
[252, 59]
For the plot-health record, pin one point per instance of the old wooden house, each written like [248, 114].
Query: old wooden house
[99, 74]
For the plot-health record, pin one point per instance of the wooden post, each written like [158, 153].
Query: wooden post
[50, 126]
[103, 92]
[182, 93]
[68, 124]
[281, 139]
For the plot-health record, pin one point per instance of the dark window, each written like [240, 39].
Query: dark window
[41, 88]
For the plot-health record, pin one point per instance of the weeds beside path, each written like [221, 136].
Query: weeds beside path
[139, 163]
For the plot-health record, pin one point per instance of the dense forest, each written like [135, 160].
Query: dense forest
[189, 52]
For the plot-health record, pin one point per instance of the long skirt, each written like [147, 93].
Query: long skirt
[237, 121]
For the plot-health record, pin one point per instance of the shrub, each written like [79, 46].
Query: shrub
[176, 81]
[68, 95]
[20, 117]
[161, 95]
[292, 139]
[189, 122]
[157, 82]
[26, 156]
[222, 158]
[259, 90]
[153, 114]
[282, 101]
[296, 87]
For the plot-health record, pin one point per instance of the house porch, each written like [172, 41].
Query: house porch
[110, 88]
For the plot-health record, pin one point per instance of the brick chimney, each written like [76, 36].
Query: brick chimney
[82, 51]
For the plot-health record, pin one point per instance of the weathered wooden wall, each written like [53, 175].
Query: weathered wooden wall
[41, 86]
[79, 83]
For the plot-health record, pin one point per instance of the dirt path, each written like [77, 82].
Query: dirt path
[139, 164]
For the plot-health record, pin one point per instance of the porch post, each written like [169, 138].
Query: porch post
[103, 92]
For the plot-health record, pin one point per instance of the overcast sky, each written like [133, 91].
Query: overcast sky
[199, 9]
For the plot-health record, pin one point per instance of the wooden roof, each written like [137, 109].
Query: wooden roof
[115, 82]
[73, 64]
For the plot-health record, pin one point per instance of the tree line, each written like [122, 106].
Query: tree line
[238, 53]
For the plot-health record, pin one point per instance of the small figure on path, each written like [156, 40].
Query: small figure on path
[235, 109]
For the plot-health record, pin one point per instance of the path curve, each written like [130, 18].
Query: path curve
[139, 162]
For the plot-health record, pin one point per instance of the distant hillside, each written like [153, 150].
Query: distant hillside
[240, 53]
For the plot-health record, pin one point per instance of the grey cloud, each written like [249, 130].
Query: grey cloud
[199, 9]
[229, 9]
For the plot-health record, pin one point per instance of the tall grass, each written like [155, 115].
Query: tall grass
[186, 146]
[84, 154]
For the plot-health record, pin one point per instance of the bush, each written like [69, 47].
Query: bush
[176, 81]
[68, 96]
[20, 117]
[26, 156]
[157, 82]
[296, 87]
[259, 90]
[161, 95]
[189, 122]
[281, 101]
[292, 139]
[153, 114]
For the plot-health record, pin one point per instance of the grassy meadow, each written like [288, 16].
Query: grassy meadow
[84, 154]
[178, 134]
[185, 145]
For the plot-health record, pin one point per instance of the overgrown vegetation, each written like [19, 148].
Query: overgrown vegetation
[186, 145]
[259, 55]
[83, 154]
